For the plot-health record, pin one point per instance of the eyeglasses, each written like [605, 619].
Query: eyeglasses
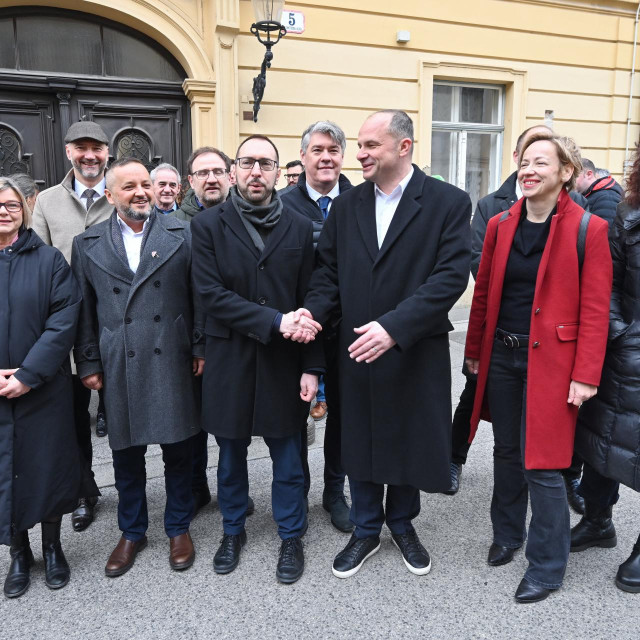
[203, 174]
[11, 206]
[266, 164]
[291, 175]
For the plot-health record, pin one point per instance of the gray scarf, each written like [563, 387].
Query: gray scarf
[259, 221]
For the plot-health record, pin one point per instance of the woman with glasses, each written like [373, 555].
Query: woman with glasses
[537, 336]
[41, 472]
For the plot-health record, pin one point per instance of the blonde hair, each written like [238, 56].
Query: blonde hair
[567, 150]
[8, 183]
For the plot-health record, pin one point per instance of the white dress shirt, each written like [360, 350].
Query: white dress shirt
[80, 188]
[132, 242]
[518, 190]
[315, 195]
[386, 206]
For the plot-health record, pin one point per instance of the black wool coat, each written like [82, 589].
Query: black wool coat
[41, 470]
[251, 382]
[396, 412]
[608, 429]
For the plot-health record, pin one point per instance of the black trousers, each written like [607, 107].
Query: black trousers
[82, 419]
[200, 461]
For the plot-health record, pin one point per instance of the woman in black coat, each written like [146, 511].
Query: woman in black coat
[41, 472]
[608, 432]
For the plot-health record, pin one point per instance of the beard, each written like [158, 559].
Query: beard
[213, 199]
[136, 216]
[89, 171]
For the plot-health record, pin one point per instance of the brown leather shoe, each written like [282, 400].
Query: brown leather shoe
[181, 552]
[319, 411]
[123, 556]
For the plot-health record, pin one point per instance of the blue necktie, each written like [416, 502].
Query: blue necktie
[323, 203]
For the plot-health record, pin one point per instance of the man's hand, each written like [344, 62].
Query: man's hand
[198, 366]
[308, 386]
[299, 326]
[373, 342]
[94, 381]
[580, 392]
[472, 365]
[12, 387]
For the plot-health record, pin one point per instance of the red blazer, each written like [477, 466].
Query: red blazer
[569, 324]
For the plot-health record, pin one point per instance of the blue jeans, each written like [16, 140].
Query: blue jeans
[131, 478]
[549, 530]
[287, 487]
[320, 397]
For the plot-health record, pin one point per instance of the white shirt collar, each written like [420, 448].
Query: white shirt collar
[518, 190]
[125, 228]
[401, 187]
[80, 188]
[314, 195]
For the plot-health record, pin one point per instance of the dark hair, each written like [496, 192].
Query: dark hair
[521, 137]
[293, 163]
[200, 151]
[587, 165]
[26, 183]
[632, 194]
[257, 136]
[120, 162]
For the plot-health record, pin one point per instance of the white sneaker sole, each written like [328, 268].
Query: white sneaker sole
[352, 572]
[414, 570]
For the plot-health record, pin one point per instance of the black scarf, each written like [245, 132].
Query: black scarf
[259, 221]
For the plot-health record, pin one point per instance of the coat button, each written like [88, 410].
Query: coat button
[262, 300]
[131, 353]
[156, 318]
[157, 351]
[156, 284]
[128, 320]
[537, 311]
[536, 345]
[261, 267]
[116, 289]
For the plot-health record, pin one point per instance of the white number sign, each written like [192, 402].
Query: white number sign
[293, 21]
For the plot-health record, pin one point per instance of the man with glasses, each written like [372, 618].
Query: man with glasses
[252, 258]
[294, 169]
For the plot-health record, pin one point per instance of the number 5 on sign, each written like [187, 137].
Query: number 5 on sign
[293, 21]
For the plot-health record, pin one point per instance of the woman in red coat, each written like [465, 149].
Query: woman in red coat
[537, 337]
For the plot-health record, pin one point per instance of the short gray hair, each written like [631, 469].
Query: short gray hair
[327, 127]
[25, 183]
[602, 173]
[162, 167]
[587, 165]
[400, 126]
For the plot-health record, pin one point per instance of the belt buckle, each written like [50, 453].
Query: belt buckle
[511, 342]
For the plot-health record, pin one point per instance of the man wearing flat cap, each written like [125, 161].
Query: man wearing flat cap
[61, 213]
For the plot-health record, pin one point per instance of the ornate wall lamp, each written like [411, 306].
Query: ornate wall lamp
[268, 30]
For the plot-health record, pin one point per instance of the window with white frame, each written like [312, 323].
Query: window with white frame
[467, 134]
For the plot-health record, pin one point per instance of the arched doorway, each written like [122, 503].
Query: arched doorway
[58, 67]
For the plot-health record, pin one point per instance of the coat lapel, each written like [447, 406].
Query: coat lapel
[276, 236]
[232, 219]
[103, 253]
[366, 217]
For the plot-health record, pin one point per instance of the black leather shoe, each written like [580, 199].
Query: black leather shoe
[290, 560]
[576, 501]
[84, 513]
[101, 425]
[228, 554]
[456, 472]
[529, 592]
[500, 555]
[595, 529]
[18, 577]
[336, 505]
[56, 569]
[349, 561]
[628, 576]
[415, 556]
[201, 498]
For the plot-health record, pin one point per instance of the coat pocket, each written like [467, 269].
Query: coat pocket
[216, 329]
[568, 331]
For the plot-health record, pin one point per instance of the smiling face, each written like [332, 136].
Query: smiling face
[213, 189]
[166, 188]
[256, 185]
[88, 159]
[540, 174]
[322, 162]
[130, 191]
[10, 221]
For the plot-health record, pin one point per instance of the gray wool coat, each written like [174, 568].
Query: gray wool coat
[139, 331]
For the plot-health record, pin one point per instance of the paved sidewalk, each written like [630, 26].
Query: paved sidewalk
[462, 597]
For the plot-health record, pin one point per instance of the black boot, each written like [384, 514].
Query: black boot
[17, 581]
[56, 569]
[628, 577]
[576, 501]
[595, 529]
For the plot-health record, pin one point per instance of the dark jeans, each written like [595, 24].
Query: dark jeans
[598, 490]
[287, 487]
[461, 425]
[200, 462]
[368, 514]
[549, 533]
[82, 419]
[131, 479]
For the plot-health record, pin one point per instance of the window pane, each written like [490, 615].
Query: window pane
[444, 145]
[7, 54]
[62, 45]
[481, 156]
[443, 103]
[480, 105]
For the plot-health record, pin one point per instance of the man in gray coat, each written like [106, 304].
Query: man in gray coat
[61, 213]
[137, 334]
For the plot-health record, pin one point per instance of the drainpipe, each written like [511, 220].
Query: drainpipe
[633, 72]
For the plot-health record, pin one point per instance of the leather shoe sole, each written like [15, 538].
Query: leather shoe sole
[122, 569]
[500, 555]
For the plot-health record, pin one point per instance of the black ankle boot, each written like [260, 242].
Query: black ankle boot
[56, 569]
[628, 577]
[17, 581]
[595, 529]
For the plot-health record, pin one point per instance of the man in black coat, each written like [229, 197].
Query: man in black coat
[394, 257]
[252, 261]
[322, 151]
[602, 192]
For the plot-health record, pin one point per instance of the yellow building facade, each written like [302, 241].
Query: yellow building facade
[564, 62]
